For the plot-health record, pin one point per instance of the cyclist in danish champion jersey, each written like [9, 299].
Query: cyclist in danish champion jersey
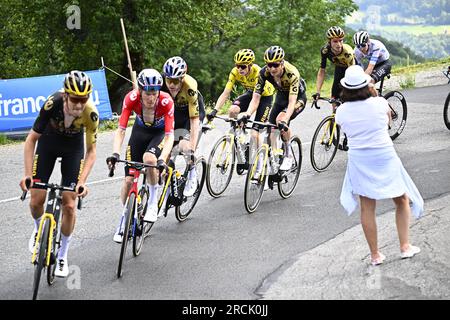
[290, 98]
[189, 112]
[58, 132]
[375, 53]
[340, 54]
[151, 138]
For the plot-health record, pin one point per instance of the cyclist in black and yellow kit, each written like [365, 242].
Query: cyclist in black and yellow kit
[189, 111]
[290, 100]
[340, 54]
[58, 132]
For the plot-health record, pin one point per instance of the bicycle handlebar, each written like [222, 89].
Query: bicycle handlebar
[329, 100]
[138, 166]
[52, 186]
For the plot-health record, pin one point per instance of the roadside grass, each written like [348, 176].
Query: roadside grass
[4, 140]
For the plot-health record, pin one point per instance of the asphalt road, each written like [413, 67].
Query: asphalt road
[220, 252]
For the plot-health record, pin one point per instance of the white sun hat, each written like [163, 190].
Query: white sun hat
[355, 78]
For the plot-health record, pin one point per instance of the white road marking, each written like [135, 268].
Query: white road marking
[88, 184]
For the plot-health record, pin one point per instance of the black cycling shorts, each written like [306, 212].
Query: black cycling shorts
[262, 113]
[336, 90]
[51, 146]
[183, 121]
[143, 140]
[381, 70]
[281, 104]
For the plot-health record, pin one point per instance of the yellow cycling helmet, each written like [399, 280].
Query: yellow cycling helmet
[335, 32]
[244, 56]
[77, 83]
[274, 54]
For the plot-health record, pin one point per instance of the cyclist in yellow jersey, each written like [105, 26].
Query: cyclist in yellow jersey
[246, 73]
[290, 100]
[189, 112]
[58, 132]
[340, 54]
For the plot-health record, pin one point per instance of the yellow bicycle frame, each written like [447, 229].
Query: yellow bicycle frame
[166, 186]
[46, 216]
[330, 141]
[229, 154]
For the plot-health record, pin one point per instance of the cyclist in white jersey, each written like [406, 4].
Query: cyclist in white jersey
[375, 52]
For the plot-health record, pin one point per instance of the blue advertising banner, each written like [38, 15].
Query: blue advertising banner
[21, 99]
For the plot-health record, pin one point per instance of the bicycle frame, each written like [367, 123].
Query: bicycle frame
[48, 215]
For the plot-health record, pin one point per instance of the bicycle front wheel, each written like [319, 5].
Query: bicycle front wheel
[397, 104]
[220, 166]
[255, 181]
[290, 177]
[446, 112]
[42, 256]
[185, 209]
[324, 144]
[126, 231]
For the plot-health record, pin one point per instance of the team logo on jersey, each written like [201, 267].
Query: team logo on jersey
[164, 102]
[324, 50]
[94, 116]
[48, 104]
[133, 96]
[191, 92]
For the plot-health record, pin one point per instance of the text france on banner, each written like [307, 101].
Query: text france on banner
[21, 99]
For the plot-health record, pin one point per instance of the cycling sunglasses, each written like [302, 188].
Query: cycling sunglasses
[273, 65]
[173, 81]
[241, 66]
[359, 46]
[76, 100]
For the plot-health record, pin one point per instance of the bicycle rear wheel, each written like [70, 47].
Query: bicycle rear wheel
[399, 112]
[185, 209]
[220, 166]
[290, 177]
[323, 145]
[447, 112]
[126, 231]
[140, 225]
[254, 185]
[42, 255]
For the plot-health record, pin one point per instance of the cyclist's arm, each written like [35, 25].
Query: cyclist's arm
[119, 136]
[254, 103]
[30, 144]
[167, 147]
[257, 92]
[195, 125]
[320, 79]
[291, 107]
[89, 160]
[222, 99]
[373, 61]
[127, 108]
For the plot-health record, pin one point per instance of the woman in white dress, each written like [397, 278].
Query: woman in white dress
[374, 171]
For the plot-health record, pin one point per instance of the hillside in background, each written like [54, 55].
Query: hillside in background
[423, 26]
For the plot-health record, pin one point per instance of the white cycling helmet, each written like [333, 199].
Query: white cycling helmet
[150, 79]
[360, 38]
[175, 68]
